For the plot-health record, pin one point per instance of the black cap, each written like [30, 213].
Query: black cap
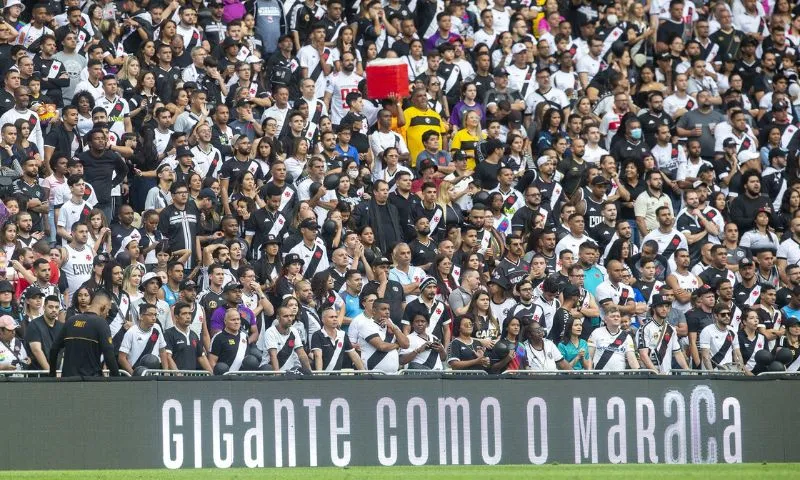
[75, 161]
[729, 143]
[704, 289]
[502, 282]
[100, 259]
[188, 285]
[183, 152]
[231, 286]
[293, 258]
[599, 180]
[207, 193]
[459, 156]
[791, 322]
[746, 262]
[658, 299]
[427, 163]
[351, 118]
[381, 261]
[500, 72]
[272, 240]
[779, 106]
[5, 286]
[310, 224]
[243, 103]
[705, 168]
[777, 152]
[33, 291]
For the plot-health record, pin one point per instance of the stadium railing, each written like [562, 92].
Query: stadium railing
[641, 371]
[263, 373]
[45, 373]
[414, 372]
[175, 373]
[730, 373]
[778, 374]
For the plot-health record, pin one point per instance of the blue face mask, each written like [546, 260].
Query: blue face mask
[636, 133]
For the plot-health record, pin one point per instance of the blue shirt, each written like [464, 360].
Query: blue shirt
[351, 152]
[592, 278]
[790, 312]
[351, 307]
[570, 351]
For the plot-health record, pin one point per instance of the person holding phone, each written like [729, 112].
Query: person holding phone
[424, 352]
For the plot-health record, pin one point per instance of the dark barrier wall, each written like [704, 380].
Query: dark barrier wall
[264, 422]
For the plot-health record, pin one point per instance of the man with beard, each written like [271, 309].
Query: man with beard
[682, 281]
[719, 348]
[423, 249]
[668, 237]
[232, 170]
[107, 171]
[604, 232]
[469, 245]
[705, 117]
[552, 192]
[288, 193]
[265, 222]
[232, 299]
[694, 225]
[63, 138]
[340, 84]
[523, 220]
[435, 311]
[786, 292]
[744, 208]
[381, 215]
[178, 222]
[622, 230]
[647, 204]
[718, 269]
[747, 291]
[21, 110]
[511, 267]
[658, 340]
[653, 118]
[525, 310]
[32, 196]
[546, 247]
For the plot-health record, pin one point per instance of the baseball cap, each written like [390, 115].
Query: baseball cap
[542, 160]
[232, 286]
[310, 224]
[519, 48]
[778, 106]
[703, 290]
[729, 143]
[188, 285]
[147, 278]
[745, 262]
[459, 156]
[272, 240]
[790, 322]
[183, 152]
[777, 152]
[500, 72]
[746, 155]
[75, 161]
[100, 259]
[162, 167]
[380, 261]
[599, 180]
[242, 103]
[5, 286]
[705, 168]
[500, 281]
[658, 299]
[33, 291]
[207, 193]
[293, 258]
[7, 322]
[425, 164]
[229, 42]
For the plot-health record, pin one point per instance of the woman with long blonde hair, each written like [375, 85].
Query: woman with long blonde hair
[467, 138]
[128, 76]
[131, 278]
[451, 213]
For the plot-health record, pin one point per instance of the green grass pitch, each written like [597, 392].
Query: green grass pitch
[506, 472]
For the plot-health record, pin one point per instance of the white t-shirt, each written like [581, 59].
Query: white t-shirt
[339, 85]
[70, 214]
[272, 338]
[387, 362]
[543, 360]
[424, 358]
[619, 294]
[713, 338]
[136, 339]
[789, 250]
[602, 340]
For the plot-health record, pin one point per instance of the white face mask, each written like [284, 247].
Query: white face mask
[352, 173]
[612, 19]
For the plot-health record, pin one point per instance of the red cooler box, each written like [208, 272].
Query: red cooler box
[387, 76]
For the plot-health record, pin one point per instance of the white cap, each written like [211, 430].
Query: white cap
[542, 160]
[747, 155]
[518, 48]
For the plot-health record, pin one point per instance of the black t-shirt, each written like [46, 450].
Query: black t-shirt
[422, 254]
[29, 192]
[697, 320]
[185, 349]
[328, 346]
[84, 338]
[225, 346]
[486, 174]
[561, 319]
[39, 331]
[393, 295]
[210, 300]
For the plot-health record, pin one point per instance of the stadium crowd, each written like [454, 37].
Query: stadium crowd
[569, 184]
